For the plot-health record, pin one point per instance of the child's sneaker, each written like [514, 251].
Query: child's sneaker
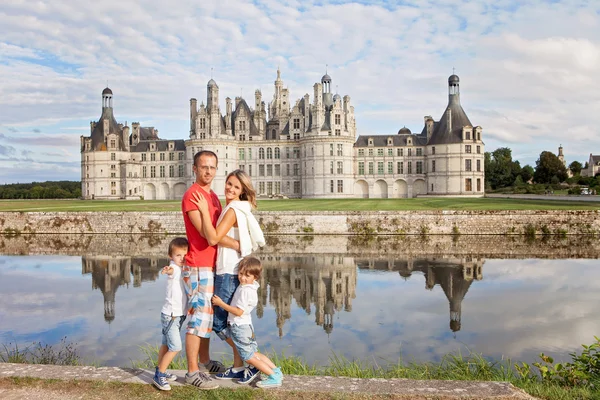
[278, 372]
[170, 377]
[250, 374]
[160, 381]
[201, 380]
[214, 367]
[271, 382]
[231, 374]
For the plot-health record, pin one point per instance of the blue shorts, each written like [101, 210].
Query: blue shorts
[244, 340]
[171, 331]
[225, 286]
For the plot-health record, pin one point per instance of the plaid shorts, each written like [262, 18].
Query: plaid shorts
[199, 287]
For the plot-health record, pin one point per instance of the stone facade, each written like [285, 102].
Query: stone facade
[514, 222]
[308, 149]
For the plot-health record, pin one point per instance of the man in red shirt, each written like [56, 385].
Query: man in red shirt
[198, 272]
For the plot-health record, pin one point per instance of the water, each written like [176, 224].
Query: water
[374, 300]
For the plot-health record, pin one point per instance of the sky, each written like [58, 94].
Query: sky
[528, 70]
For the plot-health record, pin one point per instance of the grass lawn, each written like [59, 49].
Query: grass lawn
[308, 205]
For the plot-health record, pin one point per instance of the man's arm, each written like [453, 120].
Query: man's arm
[226, 241]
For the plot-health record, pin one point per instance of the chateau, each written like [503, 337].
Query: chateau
[308, 149]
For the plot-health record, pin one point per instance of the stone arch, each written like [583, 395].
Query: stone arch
[361, 189]
[419, 187]
[380, 189]
[400, 189]
[178, 190]
[149, 192]
[163, 191]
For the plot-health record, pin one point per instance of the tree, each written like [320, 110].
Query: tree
[547, 166]
[575, 167]
[500, 169]
[527, 173]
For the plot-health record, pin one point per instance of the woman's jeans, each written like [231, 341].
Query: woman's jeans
[225, 286]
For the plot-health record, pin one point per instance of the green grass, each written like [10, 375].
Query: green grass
[308, 205]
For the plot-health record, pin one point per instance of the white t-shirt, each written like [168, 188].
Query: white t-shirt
[246, 298]
[228, 259]
[176, 299]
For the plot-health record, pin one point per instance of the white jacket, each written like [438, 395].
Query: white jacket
[251, 236]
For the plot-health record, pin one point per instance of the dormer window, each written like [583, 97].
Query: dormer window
[171, 145]
[409, 141]
[152, 147]
[370, 141]
[390, 142]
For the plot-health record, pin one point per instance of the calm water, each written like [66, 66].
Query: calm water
[372, 304]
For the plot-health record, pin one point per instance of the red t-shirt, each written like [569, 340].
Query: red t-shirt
[200, 254]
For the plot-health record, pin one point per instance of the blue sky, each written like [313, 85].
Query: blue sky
[528, 69]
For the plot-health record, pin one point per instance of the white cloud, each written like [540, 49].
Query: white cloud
[527, 70]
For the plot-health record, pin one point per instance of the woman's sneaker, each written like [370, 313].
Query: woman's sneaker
[201, 380]
[231, 374]
[250, 374]
[272, 381]
[160, 381]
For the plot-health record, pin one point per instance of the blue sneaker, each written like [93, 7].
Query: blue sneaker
[250, 374]
[170, 377]
[160, 381]
[278, 372]
[230, 374]
[272, 381]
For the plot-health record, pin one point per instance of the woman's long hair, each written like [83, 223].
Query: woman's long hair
[248, 193]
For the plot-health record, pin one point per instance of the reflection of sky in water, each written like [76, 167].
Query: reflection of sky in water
[519, 309]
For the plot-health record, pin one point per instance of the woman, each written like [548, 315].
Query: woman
[236, 221]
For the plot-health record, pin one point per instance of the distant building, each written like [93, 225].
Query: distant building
[305, 150]
[593, 166]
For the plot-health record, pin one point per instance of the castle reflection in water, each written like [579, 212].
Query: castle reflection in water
[323, 283]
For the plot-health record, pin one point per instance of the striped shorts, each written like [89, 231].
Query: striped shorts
[199, 288]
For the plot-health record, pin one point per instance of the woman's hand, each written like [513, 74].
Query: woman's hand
[216, 300]
[200, 202]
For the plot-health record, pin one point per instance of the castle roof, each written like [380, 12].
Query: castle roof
[449, 128]
[382, 140]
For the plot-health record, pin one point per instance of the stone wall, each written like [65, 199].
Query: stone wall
[380, 247]
[560, 222]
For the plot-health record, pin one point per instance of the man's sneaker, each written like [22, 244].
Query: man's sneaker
[201, 380]
[214, 367]
[231, 374]
[271, 382]
[250, 374]
[170, 377]
[160, 381]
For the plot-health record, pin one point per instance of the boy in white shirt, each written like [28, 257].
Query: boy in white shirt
[240, 327]
[172, 314]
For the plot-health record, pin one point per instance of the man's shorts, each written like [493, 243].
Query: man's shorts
[171, 331]
[244, 340]
[199, 287]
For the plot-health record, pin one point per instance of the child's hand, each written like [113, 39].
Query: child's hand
[167, 270]
[200, 202]
[216, 300]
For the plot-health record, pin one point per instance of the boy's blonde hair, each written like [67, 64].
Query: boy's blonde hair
[178, 243]
[250, 266]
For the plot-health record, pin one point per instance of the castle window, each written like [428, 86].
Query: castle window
[269, 188]
[261, 170]
[180, 171]
[361, 152]
[468, 187]
[242, 155]
[370, 152]
[338, 132]
[287, 152]
[113, 174]
[243, 138]
[468, 148]
[181, 156]
[277, 153]
[171, 156]
[277, 169]
[400, 152]
[249, 154]
[340, 185]
[410, 167]
[409, 152]
[478, 165]
[340, 149]
[478, 135]
[371, 168]
[330, 149]
[250, 170]
[340, 167]
[433, 166]
[419, 151]
[390, 142]
[171, 171]
[242, 125]
[144, 172]
[113, 143]
[331, 167]
[478, 185]
[162, 171]
[202, 123]
[400, 169]
[162, 156]
[261, 187]
[296, 169]
[273, 134]
[478, 149]
[390, 152]
[152, 156]
[419, 167]
[296, 123]
[380, 152]
[287, 169]
[269, 153]
[297, 187]
[370, 142]
[361, 167]
[331, 186]
[277, 187]
[153, 172]
[338, 119]
[468, 135]
[390, 167]
[143, 156]
[296, 152]
[380, 168]
[113, 156]
[296, 136]
[261, 153]
[433, 150]
[467, 165]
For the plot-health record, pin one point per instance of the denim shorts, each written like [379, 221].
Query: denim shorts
[244, 340]
[225, 286]
[171, 331]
